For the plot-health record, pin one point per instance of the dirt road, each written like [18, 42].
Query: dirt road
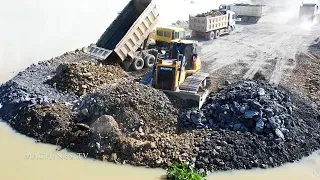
[270, 46]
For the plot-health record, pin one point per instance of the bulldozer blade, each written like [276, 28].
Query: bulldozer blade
[199, 97]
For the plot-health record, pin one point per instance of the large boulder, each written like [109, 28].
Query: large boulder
[106, 126]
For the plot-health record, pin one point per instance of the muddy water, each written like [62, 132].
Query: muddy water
[22, 158]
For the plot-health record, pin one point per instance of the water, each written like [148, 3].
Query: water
[16, 163]
[39, 30]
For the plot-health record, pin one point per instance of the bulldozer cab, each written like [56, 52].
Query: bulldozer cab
[186, 48]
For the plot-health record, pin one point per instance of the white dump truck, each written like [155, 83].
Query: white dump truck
[308, 11]
[126, 35]
[246, 12]
[212, 24]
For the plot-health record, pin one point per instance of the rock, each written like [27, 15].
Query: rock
[83, 126]
[84, 86]
[259, 126]
[61, 68]
[279, 134]
[261, 92]
[44, 101]
[196, 117]
[268, 112]
[57, 133]
[273, 123]
[85, 112]
[284, 130]
[150, 145]
[227, 83]
[255, 105]
[106, 126]
[250, 114]
[113, 157]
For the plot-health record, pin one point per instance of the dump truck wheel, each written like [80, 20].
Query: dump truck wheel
[137, 64]
[244, 19]
[252, 19]
[149, 61]
[230, 29]
[211, 36]
[216, 34]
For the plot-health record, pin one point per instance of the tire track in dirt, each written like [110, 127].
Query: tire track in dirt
[266, 47]
[286, 52]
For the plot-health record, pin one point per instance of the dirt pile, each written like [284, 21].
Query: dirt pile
[211, 13]
[246, 106]
[44, 122]
[137, 108]
[84, 77]
[157, 150]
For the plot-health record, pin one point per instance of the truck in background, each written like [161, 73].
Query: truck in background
[248, 13]
[127, 34]
[308, 12]
[212, 24]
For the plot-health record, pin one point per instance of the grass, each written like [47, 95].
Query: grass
[181, 171]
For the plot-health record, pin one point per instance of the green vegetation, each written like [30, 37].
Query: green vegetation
[181, 171]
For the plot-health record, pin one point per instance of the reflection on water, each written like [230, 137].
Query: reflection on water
[22, 158]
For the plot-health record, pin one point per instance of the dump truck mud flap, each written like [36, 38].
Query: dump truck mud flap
[98, 53]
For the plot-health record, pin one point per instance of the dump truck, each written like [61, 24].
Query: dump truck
[308, 11]
[126, 37]
[212, 24]
[247, 13]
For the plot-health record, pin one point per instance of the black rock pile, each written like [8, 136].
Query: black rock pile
[247, 106]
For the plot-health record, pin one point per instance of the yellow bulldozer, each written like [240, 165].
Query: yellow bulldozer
[177, 72]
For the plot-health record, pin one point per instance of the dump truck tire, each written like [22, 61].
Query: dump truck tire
[252, 20]
[211, 35]
[216, 34]
[149, 61]
[244, 19]
[137, 64]
[230, 29]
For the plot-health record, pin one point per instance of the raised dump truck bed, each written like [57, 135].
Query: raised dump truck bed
[308, 11]
[126, 34]
[245, 12]
[212, 24]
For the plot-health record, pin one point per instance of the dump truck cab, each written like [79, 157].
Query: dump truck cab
[164, 35]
